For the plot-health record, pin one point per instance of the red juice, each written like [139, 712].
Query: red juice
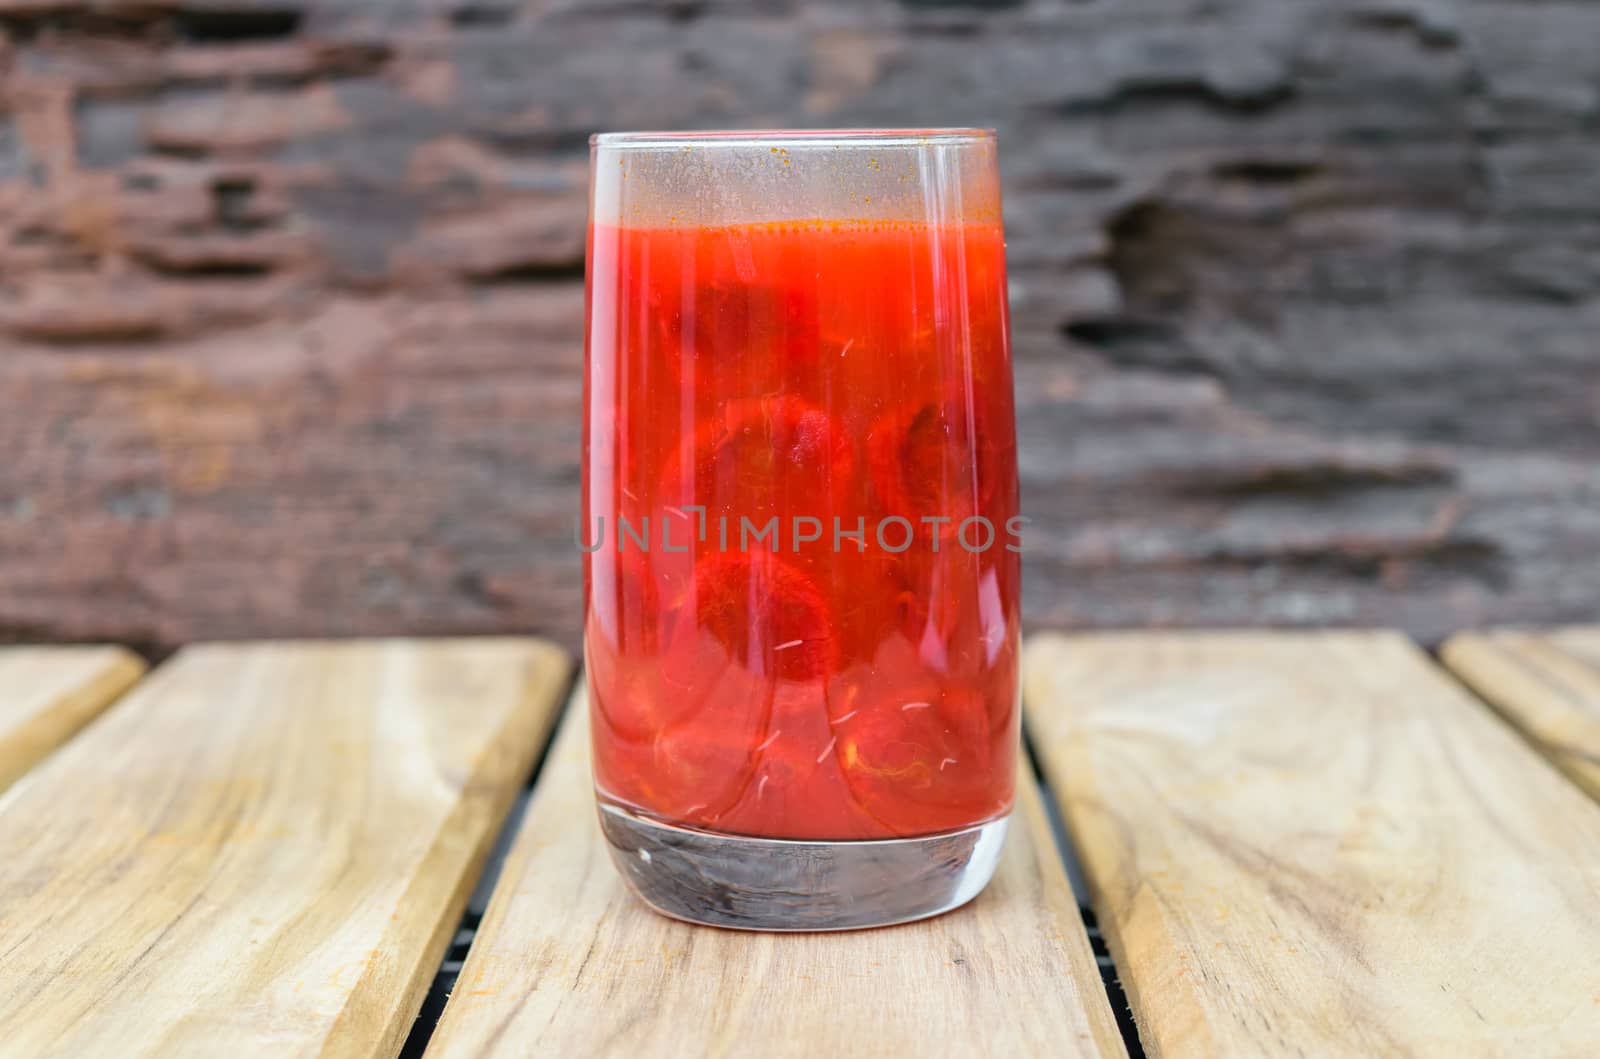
[800, 526]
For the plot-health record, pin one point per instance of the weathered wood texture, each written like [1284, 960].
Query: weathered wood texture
[568, 963]
[1306, 844]
[262, 850]
[1546, 683]
[1306, 296]
[48, 693]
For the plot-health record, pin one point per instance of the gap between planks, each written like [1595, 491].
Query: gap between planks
[47, 694]
[1544, 682]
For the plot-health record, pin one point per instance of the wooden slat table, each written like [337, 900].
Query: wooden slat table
[1298, 844]
[1318, 844]
[262, 850]
[48, 693]
[567, 963]
[1545, 683]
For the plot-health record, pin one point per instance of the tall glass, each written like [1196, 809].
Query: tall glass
[800, 522]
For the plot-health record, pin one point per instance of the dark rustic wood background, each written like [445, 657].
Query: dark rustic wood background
[1307, 296]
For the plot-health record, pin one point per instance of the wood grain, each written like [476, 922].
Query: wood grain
[1547, 684]
[1304, 297]
[1318, 844]
[263, 850]
[568, 963]
[48, 693]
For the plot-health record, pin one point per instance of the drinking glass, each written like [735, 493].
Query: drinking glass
[799, 522]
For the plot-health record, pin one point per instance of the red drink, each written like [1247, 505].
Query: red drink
[799, 522]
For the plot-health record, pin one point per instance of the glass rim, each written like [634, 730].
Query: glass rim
[734, 138]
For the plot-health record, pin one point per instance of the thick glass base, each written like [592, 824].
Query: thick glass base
[787, 885]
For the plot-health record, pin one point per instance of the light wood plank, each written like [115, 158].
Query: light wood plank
[567, 963]
[48, 693]
[1547, 684]
[264, 849]
[1318, 844]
